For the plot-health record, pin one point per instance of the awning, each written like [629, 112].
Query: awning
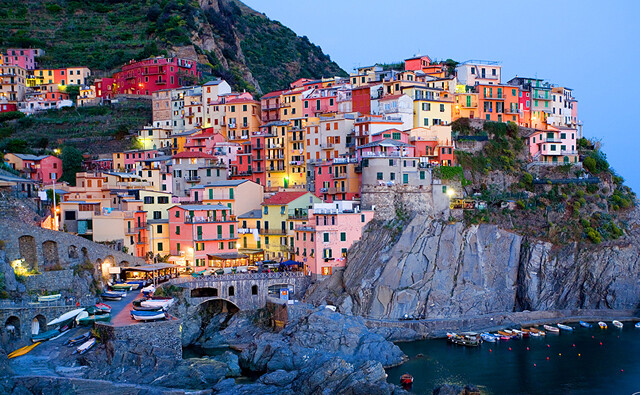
[227, 255]
[250, 251]
[290, 263]
[150, 268]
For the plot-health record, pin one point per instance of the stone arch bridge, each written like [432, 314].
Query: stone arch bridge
[43, 248]
[248, 291]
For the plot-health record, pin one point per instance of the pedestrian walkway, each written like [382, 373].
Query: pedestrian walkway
[121, 309]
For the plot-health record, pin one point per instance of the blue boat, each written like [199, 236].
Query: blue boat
[148, 315]
[585, 324]
[565, 327]
[113, 295]
[637, 325]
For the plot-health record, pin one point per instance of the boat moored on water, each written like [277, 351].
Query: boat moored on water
[488, 337]
[565, 327]
[617, 324]
[470, 339]
[637, 325]
[551, 329]
[406, 381]
[585, 324]
[602, 325]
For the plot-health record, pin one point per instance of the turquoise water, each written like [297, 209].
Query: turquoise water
[610, 368]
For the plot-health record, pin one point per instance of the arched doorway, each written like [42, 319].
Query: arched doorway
[12, 327]
[50, 253]
[38, 324]
[28, 251]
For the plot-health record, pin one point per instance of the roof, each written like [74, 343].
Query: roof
[31, 157]
[273, 94]
[156, 159]
[281, 198]
[8, 178]
[386, 131]
[240, 100]
[195, 154]
[214, 82]
[385, 143]
[257, 213]
[226, 183]
[391, 97]
[194, 207]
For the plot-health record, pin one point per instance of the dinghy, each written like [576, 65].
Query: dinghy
[565, 327]
[121, 287]
[585, 324]
[617, 324]
[23, 350]
[148, 315]
[86, 319]
[44, 336]
[49, 298]
[78, 339]
[602, 325]
[164, 302]
[66, 316]
[104, 307]
[488, 337]
[143, 308]
[551, 329]
[86, 346]
[637, 325]
[110, 295]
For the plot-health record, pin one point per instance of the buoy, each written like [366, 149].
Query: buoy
[509, 348]
[592, 337]
[579, 355]
[622, 370]
[547, 358]
[559, 354]
[600, 343]
[527, 348]
[574, 345]
[548, 346]
[490, 350]
[534, 365]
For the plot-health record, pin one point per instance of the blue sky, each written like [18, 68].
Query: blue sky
[591, 47]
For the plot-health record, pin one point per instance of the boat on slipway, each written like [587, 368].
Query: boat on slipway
[22, 351]
[148, 315]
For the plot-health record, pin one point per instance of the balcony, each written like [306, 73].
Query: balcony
[276, 169]
[537, 96]
[497, 97]
[275, 157]
[326, 146]
[550, 140]
[340, 176]
[192, 178]
[256, 147]
[298, 216]
[258, 170]
[207, 220]
[161, 82]
[141, 225]
[272, 232]
[564, 152]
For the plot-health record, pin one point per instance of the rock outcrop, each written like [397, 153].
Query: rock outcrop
[444, 270]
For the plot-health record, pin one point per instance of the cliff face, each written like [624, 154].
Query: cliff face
[446, 270]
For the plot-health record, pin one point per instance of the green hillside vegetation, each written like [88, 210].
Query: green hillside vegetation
[104, 34]
[560, 213]
[91, 129]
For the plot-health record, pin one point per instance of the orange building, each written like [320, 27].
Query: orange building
[498, 103]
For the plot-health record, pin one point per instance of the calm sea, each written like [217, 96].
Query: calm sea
[586, 361]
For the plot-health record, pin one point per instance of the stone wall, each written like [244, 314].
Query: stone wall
[52, 281]
[471, 146]
[424, 199]
[140, 344]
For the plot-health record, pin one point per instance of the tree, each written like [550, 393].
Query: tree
[73, 91]
[71, 164]
[16, 146]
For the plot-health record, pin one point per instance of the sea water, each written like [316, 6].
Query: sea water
[585, 361]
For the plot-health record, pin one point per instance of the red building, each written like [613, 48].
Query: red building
[320, 101]
[149, 75]
[142, 236]
[258, 154]
[104, 87]
[361, 99]
[43, 168]
[7, 107]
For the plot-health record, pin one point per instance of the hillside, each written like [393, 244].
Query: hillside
[231, 40]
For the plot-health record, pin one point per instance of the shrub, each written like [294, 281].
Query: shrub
[7, 116]
[594, 236]
[590, 164]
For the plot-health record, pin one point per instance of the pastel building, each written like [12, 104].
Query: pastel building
[240, 196]
[23, 57]
[42, 168]
[479, 71]
[149, 75]
[195, 168]
[324, 242]
[13, 83]
[498, 103]
[156, 206]
[63, 76]
[554, 146]
[204, 236]
[337, 179]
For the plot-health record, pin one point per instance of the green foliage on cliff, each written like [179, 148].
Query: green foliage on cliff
[104, 34]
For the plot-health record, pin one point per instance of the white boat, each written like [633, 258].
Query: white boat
[164, 303]
[148, 315]
[534, 334]
[565, 327]
[149, 289]
[49, 298]
[637, 325]
[66, 316]
[86, 346]
[618, 324]
[602, 325]
[551, 329]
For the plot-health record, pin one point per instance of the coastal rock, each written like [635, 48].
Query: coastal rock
[446, 270]
[449, 389]
[318, 336]
[280, 378]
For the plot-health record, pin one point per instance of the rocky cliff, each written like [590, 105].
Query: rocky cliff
[442, 270]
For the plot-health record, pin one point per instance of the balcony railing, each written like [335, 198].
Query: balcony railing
[203, 220]
[326, 146]
[192, 178]
[298, 216]
[274, 232]
[276, 169]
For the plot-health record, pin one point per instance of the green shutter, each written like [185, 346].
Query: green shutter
[230, 193]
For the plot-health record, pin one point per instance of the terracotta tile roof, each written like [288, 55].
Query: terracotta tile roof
[273, 94]
[240, 100]
[195, 154]
[281, 198]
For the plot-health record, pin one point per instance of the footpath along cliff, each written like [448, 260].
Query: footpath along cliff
[435, 269]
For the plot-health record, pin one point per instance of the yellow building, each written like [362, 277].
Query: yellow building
[291, 104]
[157, 204]
[243, 116]
[275, 142]
[240, 196]
[430, 106]
[249, 238]
[295, 153]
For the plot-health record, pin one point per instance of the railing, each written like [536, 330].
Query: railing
[276, 169]
[275, 232]
[141, 225]
[384, 154]
[326, 146]
[204, 220]
[306, 228]
[565, 152]
[298, 216]
[244, 231]
[192, 178]
[551, 140]
[237, 276]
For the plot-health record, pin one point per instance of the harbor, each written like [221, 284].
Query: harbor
[582, 360]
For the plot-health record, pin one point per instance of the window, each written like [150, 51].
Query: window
[426, 122]
[266, 210]
[160, 247]
[254, 290]
[343, 236]
[380, 176]
[325, 237]
[159, 228]
[178, 230]
[178, 246]
[148, 200]
[441, 107]
[232, 291]
[396, 136]
[199, 233]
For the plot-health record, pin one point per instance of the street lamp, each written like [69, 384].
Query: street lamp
[451, 192]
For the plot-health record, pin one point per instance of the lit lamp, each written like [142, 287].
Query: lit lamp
[451, 192]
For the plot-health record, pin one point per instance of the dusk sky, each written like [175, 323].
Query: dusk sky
[591, 47]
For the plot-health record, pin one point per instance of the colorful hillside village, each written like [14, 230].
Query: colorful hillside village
[225, 180]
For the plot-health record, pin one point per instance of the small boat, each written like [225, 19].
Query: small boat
[86, 319]
[602, 325]
[534, 330]
[23, 350]
[637, 325]
[148, 315]
[148, 291]
[135, 284]
[95, 311]
[551, 329]
[617, 324]
[44, 336]
[406, 380]
[143, 308]
[78, 339]
[450, 334]
[520, 333]
[488, 337]
[469, 339]
[66, 316]
[164, 302]
[49, 298]
[507, 334]
[109, 295]
[121, 287]
[585, 324]
[535, 334]
[565, 327]
[104, 307]
[86, 346]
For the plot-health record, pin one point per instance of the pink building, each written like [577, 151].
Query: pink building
[127, 160]
[557, 145]
[205, 141]
[42, 168]
[320, 101]
[205, 236]
[333, 228]
[25, 58]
